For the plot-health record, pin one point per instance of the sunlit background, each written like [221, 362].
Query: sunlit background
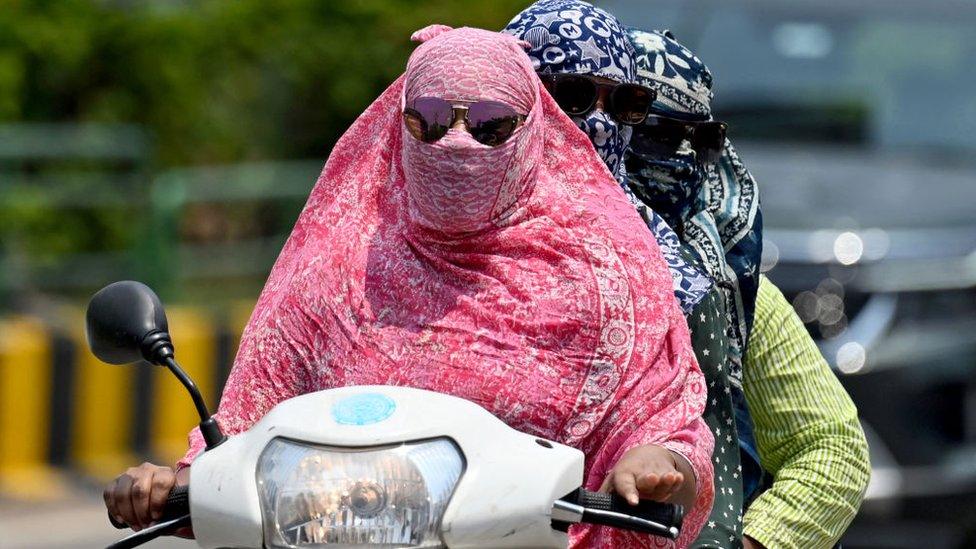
[174, 142]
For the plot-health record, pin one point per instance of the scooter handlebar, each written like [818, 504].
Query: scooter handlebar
[177, 505]
[651, 517]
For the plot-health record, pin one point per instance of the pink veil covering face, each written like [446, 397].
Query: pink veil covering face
[518, 277]
[457, 185]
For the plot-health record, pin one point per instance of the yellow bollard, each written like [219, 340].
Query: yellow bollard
[103, 411]
[173, 415]
[26, 375]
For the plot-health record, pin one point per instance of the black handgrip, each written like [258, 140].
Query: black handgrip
[652, 517]
[177, 504]
[668, 514]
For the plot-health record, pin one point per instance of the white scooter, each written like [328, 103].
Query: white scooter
[364, 466]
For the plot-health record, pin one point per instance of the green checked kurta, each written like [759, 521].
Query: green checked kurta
[807, 431]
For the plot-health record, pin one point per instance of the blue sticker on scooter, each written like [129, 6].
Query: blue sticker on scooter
[363, 409]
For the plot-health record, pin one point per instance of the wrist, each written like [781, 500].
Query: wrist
[183, 476]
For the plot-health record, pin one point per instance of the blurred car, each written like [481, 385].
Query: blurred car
[859, 121]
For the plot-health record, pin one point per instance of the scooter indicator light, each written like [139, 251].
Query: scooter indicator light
[363, 409]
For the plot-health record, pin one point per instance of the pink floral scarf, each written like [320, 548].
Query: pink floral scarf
[518, 277]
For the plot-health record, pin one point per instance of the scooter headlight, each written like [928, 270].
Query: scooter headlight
[390, 496]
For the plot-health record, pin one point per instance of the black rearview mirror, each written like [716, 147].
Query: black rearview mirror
[120, 318]
[125, 323]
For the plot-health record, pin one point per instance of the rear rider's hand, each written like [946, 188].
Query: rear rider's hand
[138, 496]
[647, 472]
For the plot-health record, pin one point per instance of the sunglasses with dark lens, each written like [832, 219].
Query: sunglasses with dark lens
[577, 94]
[662, 136]
[489, 122]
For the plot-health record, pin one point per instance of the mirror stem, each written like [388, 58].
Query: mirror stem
[208, 425]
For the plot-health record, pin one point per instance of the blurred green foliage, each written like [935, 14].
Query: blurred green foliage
[216, 81]
[209, 82]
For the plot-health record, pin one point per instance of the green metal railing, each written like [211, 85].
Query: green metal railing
[63, 184]
[98, 178]
[279, 187]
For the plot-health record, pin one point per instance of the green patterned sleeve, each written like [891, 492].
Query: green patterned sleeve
[807, 431]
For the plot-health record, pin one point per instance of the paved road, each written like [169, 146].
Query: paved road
[76, 522]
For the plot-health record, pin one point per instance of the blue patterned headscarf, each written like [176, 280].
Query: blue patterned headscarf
[683, 83]
[670, 185]
[574, 37]
[714, 207]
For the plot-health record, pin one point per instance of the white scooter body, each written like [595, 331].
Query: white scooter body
[504, 497]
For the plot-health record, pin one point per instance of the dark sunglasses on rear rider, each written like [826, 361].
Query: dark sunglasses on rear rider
[490, 123]
[577, 95]
[661, 136]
